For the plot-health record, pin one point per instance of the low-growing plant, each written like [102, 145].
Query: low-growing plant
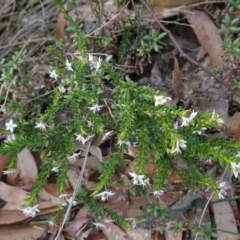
[164, 132]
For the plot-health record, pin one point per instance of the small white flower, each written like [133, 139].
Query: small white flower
[98, 64]
[186, 121]
[236, 169]
[219, 120]
[69, 66]
[99, 225]
[75, 156]
[53, 74]
[90, 58]
[139, 179]
[180, 143]
[107, 135]
[134, 224]
[96, 108]
[200, 131]
[158, 193]
[30, 211]
[160, 100]
[55, 169]
[223, 188]
[176, 125]
[104, 195]
[62, 89]
[121, 142]
[41, 125]
[74, 203]
[222, 194]
[238, 155]
[209, 161]
[10, 125]
[63, 196]
[51, 223]
[82, 139]
[9, 172]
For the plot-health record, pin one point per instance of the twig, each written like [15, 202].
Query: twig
[182, 54]
[77, 188]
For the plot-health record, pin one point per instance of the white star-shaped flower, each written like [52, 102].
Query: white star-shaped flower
[69, 66]
[55, 169]
[90, 58]
[200, 131]
[70, 200]
[180, 143]
[82, 139]
[238, 155]
[236, 169]
[75, 156]
[160, 100]
[107, 135]
[139, 179]
[158, 193]
[9, 172]
[104, 195]
[53, 74]
[41, 125]
[63, 196]
[223, 188]
[10, 125]
[51, 223]
[62, 89]
[98, 225]
[121, 142]
[98, 64]
[187, 120]
[96, 108]
[30, 211]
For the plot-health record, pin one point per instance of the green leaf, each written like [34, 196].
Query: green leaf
[148, 37]
[234, 21]
[162, 35]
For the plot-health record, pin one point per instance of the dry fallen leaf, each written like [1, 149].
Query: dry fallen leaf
[26, 166]
[20, 231]
[208, 36]
[12, 194]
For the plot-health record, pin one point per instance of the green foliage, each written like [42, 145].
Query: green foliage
[231, 30]
[136, 113]
[152, 42]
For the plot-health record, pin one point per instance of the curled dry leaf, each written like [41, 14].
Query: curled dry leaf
[208, 36]
[26, 166]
